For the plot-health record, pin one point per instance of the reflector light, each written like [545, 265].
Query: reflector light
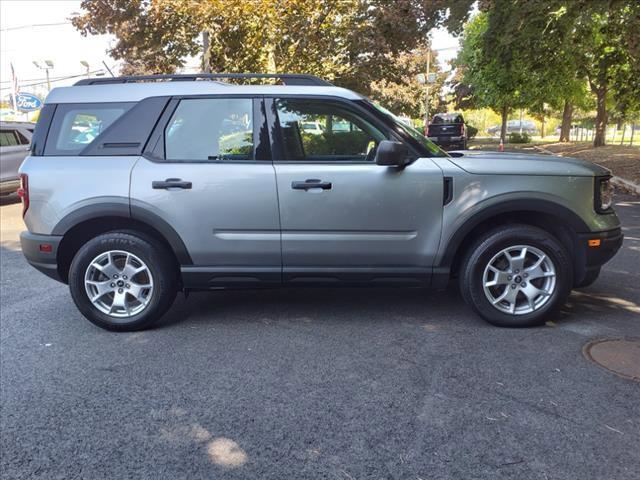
[594, 242]
[46, 248]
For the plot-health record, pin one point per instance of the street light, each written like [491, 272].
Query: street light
[48, 65]
[85, 64]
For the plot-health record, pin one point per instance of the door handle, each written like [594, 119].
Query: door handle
[170, 183]
[311, 183]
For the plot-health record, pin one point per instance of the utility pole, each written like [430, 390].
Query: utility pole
[426, 100]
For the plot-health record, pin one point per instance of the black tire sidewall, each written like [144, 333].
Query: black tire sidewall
[490, 245]
[150, 253]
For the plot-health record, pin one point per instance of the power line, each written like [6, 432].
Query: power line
[58, 79]
[6, 29]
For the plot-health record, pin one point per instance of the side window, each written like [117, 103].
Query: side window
[316, 130]
[211, 129]
[8, 138]
[75, 126]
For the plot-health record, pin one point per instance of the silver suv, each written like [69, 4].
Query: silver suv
[139, 187]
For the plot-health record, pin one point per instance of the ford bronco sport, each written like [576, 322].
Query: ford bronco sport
[139, 187]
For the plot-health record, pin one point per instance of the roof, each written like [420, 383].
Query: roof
[133, 92]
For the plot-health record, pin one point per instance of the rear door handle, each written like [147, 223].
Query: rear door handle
[170, 183]
[311, 183]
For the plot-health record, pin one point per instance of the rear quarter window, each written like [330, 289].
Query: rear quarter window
[74, 126]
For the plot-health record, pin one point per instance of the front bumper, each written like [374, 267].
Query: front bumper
[594, 250]
[36, 250]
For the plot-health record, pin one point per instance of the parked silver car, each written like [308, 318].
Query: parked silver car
[138, 188]
[15, 138]
[515, 126]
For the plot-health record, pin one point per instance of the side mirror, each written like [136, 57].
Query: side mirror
[392, 154]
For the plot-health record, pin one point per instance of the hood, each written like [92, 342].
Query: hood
[500, 163]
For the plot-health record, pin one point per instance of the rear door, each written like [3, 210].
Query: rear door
[343, 216]
[208, 174]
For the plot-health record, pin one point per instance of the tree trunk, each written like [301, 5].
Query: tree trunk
[601, 117]
[503, 127]
[542, 127]
[565, 128]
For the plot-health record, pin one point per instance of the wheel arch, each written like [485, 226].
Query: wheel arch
[557, 219]
[87, 222]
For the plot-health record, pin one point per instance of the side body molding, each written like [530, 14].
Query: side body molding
[114, 208]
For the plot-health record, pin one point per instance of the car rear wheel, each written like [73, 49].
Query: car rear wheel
[123, 281]
[516, 276]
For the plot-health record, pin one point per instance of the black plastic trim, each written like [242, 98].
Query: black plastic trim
[44, 262]
[39, 138]
[564, 215]
[214, 277]
[128, 134]
[124, 210]
[298, 79]
[447, 193]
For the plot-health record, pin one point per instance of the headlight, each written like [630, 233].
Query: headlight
[603, 194]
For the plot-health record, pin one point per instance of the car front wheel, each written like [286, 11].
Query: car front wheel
[515, 276]
[123, 281]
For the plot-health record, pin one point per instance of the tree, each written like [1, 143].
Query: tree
[352, 42]
[566, 45]
[401, 92]
[497, 79]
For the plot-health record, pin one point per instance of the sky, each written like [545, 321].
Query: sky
[37, 30]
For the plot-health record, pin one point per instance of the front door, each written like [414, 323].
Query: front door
[343, 216]
[208, 178]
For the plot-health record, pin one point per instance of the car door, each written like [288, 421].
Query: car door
[208, 175]
[344, 217]
[14, 147]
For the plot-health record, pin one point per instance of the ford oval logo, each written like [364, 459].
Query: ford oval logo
[26, 102]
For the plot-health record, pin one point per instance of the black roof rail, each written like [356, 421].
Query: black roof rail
[285, 78]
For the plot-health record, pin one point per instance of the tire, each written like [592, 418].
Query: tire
[117, 253]
[589, 278]
[548, 289]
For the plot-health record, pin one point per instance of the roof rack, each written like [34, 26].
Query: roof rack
[285, 78]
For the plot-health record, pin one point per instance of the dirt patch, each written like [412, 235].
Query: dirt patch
[623, 161]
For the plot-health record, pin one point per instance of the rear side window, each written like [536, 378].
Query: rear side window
[75, 126]
[8, 138]
[210, 129]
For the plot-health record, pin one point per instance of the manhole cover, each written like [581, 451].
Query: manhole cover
[619, 356]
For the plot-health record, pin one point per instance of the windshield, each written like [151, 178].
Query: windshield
[414, 133]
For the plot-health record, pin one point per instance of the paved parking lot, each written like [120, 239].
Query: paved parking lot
[317, 383]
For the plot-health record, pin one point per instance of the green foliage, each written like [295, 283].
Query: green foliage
[517, 137]
[351, 42]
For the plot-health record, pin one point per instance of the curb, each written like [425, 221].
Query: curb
[621, 183]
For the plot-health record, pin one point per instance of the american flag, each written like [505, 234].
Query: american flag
[14, 87]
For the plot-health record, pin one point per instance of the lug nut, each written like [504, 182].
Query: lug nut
[120, 290]
[523, 284]
[115, 275]
[128, 286]
[513, 285]
[517, 271]
[113, 285]
[525, 275]
[124, 276]
[509, 277]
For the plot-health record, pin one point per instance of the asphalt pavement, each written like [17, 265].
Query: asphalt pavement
[316, 383]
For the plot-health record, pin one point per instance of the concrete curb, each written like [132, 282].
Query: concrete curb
[621, 183]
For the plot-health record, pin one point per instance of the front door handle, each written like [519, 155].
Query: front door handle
[311, 183]
[170, 183]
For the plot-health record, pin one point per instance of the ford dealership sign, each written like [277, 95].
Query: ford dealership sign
[26, 102]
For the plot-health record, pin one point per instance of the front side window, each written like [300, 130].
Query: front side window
[210, 129]
[8, 138]
[316, 130]
[75, 126]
